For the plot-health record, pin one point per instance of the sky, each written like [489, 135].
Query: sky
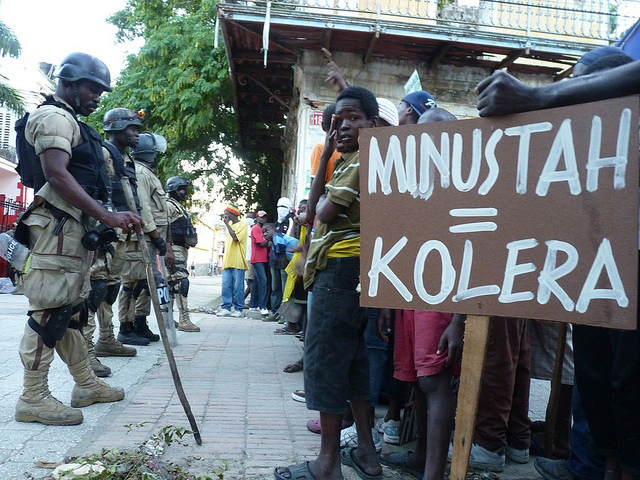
[49, 30]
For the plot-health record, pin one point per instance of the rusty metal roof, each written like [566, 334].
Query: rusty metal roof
[513, 38]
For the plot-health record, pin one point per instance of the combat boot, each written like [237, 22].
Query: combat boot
[142, 329]
[108, 346]
[36, 404]
[129, 336]
[89, 389]
[185, 324]
[98, 368]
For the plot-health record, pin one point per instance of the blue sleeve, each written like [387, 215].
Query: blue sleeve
[291, 244]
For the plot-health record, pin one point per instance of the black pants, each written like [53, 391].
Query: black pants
[608, 378]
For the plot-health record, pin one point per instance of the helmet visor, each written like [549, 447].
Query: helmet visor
[161, 143]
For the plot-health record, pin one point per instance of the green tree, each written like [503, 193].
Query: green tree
[9, 47]
[183, 83]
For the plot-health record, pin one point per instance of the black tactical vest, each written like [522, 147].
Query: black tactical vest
[183, 232]
[121, 169]
[87, 162]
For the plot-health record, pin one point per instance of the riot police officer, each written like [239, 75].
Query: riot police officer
[72, 168]
[122, 126]
[134, 301]
[183, 236]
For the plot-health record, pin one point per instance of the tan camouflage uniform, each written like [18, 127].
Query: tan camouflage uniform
[57, 275]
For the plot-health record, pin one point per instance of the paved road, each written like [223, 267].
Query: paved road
[232, 374]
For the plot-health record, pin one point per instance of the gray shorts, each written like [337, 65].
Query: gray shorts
[336, 368]
[249, 274]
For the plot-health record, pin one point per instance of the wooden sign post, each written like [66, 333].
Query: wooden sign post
[533, 215]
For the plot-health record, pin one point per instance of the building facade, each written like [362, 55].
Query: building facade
[278, 70]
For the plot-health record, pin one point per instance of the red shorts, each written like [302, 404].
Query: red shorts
[417, 334]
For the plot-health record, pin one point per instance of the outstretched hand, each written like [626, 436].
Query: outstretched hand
[503, 94]
[335, 77]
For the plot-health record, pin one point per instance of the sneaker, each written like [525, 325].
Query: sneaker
[349, 438]
[517, 455]
[484, 459]
[390, 431]
[223, 312]
[254, 309]
[552, 469]
[264, 311]
[237, 314]
[298, 396]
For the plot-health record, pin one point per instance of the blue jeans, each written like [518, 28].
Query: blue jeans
[278, 283]
[585, 461]
[233, 288]
[259, 291]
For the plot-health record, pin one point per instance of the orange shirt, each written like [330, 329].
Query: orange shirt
[315, 161]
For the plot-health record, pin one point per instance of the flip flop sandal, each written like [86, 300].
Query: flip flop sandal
[293, 367]
[314, 426]
[299, 471]
[284, 331]
[346, 458]
[400, 461]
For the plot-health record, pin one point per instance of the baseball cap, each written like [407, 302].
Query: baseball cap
[420, 101]
[261, 213]
[388, 111]
[590, 57]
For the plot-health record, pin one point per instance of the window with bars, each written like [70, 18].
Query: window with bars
[5, 128]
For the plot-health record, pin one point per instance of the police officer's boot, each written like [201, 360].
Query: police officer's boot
[89, 389]
[185, 323]
[108, 346]
[129, 336]
[142, 329]
[99, 369]
[36, 404]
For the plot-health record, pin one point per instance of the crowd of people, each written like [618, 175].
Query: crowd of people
[353, 355]
[303, 271]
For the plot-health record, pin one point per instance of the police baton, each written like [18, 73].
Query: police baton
[126, 186]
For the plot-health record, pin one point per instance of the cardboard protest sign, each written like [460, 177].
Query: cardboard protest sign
[532, 215]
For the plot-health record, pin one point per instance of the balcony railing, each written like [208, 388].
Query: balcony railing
[583, 20]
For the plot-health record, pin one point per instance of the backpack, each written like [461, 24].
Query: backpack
[29, 167]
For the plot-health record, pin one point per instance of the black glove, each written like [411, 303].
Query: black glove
[161, 245]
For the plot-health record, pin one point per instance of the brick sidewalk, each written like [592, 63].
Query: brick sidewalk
[232, 374]
[241, 399]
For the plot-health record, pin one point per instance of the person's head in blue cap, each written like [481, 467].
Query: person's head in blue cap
[414, 105]
[585, 61]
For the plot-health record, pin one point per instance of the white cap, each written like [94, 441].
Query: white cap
[388, 111]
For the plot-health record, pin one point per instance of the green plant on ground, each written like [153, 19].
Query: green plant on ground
[143, 462]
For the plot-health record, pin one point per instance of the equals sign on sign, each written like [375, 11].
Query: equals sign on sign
[472, 227]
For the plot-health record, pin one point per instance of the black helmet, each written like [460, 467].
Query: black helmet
[118, 119]
[81, 66]
[174, 183]
[149, 145]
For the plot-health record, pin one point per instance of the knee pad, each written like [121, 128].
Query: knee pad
[112, 293]
[56, 325]
[97, 294]
[184, 287]
[128, 292]
[141, 286]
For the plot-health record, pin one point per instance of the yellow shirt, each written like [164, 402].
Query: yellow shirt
[235, 252]
[345, 248]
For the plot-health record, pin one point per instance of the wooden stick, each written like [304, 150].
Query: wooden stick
[475, 344]
[126, 186]
[554, 396]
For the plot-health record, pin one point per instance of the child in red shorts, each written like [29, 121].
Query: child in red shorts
[428, 350]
